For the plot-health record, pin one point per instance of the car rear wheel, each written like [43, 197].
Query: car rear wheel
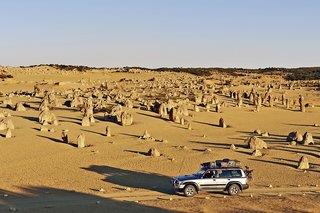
[190, 191]
[234, 189]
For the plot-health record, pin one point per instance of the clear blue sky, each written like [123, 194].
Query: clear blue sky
[158, 33]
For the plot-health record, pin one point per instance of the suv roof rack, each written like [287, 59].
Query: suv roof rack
[224, 163]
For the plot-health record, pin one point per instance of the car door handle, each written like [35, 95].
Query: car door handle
[228, 178]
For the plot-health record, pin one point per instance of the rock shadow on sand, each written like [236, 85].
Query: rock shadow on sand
[56, 140]
[289, 163]
[29, 118]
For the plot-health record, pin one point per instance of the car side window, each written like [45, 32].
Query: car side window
[208, 174]
[225, 174]
[236, 173]
[230, 174]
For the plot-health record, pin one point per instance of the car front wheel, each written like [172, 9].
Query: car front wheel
[190, 191]
[234, 189]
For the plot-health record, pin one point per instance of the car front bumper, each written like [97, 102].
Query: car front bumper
[177, 186]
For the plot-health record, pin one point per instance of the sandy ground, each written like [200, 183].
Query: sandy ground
[40, 173]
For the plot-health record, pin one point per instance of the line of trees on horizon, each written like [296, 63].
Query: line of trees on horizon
[301, 73]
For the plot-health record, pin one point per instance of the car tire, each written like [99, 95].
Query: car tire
[190, 190]
[234, 189]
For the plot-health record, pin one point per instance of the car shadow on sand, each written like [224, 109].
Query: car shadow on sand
[47, 199]
[133, 179]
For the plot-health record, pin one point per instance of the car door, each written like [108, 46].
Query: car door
[207, 181]
[222, 179]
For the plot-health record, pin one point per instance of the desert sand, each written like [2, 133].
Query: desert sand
[113, 172]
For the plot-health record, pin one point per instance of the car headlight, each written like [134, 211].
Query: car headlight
[176, 182]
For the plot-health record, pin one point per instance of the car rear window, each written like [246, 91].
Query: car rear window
[230, 174]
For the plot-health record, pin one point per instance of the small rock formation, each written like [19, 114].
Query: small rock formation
[163, 110]
[182, 121]
[6, 123]
[64, 136]
[44, 105]
[233, 147]
[153, 152]
[283, 98]
[240, 101]
[294, 136]
[77, 102]
[291, 85]
[208, 107]
[88, 110]
[108, 131]
[207, 150]
[259, 101]
[256, 143]
[307, 139]
[293, 143]
[19, 107]
[126, 119]
[270, 101]
[303, 163]
[257, 153]
[198, 98]
[251, 98]
[8, 133]
[287, 103]
[302, 104]
[164, 141]
[189, 126]
[43, 129]
[81, 141]
[85, 121]
[222, 123]
[116, 113]
[218, 108]
[257, 108]
[196, 108]
[257, 131]
[4, 114]
[145, 135]
[174, 115]
[128, 103]
[46, 117]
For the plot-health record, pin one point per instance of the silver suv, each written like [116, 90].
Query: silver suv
[222, 175]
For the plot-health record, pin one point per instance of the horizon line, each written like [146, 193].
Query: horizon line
[160, 67]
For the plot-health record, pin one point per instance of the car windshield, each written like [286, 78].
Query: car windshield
[200, 172]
